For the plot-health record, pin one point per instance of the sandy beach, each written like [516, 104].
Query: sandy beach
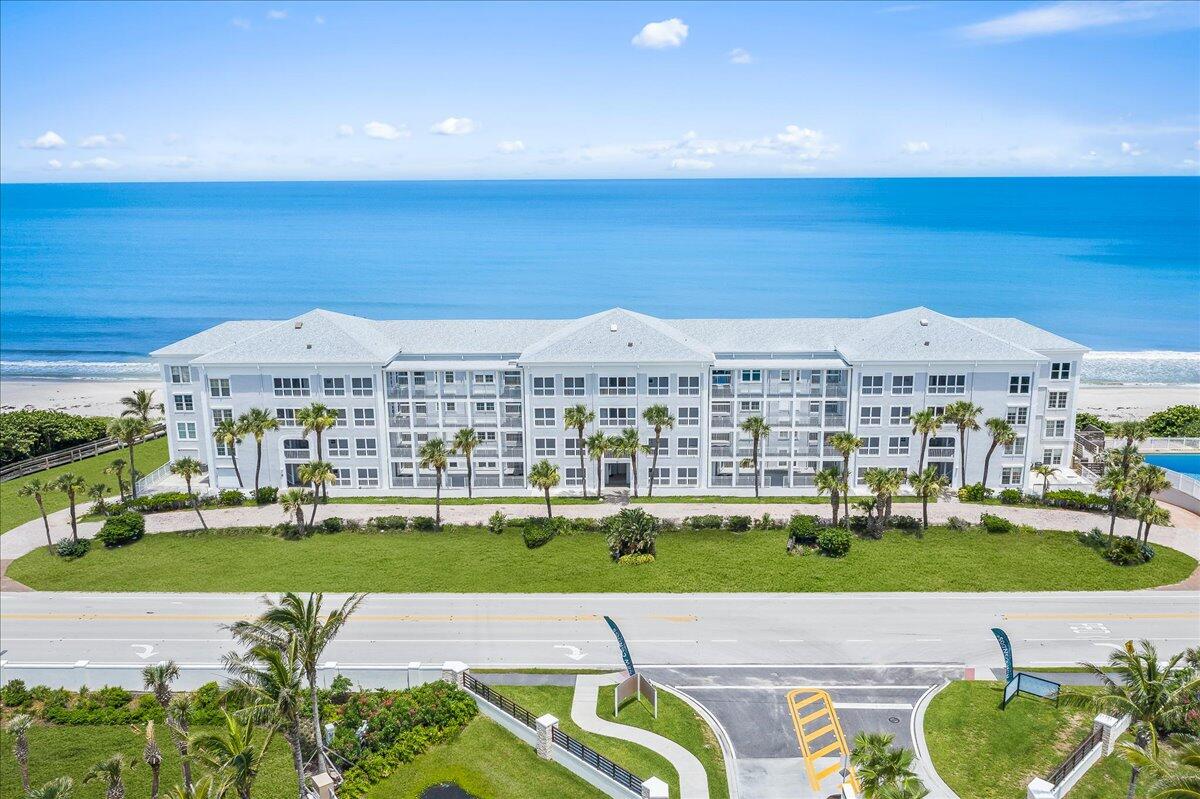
[102, 397]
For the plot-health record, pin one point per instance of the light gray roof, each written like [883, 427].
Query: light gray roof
[916, 334]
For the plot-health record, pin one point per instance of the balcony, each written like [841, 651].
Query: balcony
[750, 389]
[778, 449]
[722, 420]
[424, 391]
[721, 451]
[425, 420]
[511, 420]
[745, 479]
[780, 420]
[483, 390]
[454, 390]
[837, 391]
[722, 390]
[745, 451]
[835, 420]
[484, 420]
[509, 481]
[399, 421]
[513, 452]
[807, 420]
[486, 452]
[487, 481]
[402, 481]
[397, 392]
[941, 452]
[802, 452]
[830, 452]
[510, 392]
[719, 480]
[779, 390]
[454, 420]
[401, 452]
[774, 478]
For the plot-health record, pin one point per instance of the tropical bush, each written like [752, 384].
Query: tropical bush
[266, 495]
[25, 434]
[976, 492]
[389, 522]
[538, 530]
[1176, 421]
[901, 522]
[1094, 538]
[290, 531]
[124, 528]
[738, 524]
[231, 498]
[958, 523]
[708, 522]
[833, 543]
[155, 503]
[14, 694]
[996, 524]
[71, 549]
[635, 560]
[1084, 419]
[496, 522]
[105, 706]
[803, 530]
[1128, 551]
[1011, 496]
[425, 523]
[333, 524]
[631, 531]
[859, 525]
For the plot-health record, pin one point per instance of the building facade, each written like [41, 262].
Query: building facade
[395, 384]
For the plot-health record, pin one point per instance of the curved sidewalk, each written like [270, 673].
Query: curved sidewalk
[693, 781]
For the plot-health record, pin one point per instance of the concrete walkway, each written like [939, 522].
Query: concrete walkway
[693, 781]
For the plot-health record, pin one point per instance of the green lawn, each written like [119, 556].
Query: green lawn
[983, 752]
[55, 751]
[452, 500]
[772, 500]
[473, 560]
[488, 762]
[16, 510]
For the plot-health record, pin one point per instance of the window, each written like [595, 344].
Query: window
[947, 384]
[750, 406]
[365, 447]
[721, 377]
[659, 445]
[941, 447]
[573, 386]
[900, 414]
[218, 387]
[751, 375]
[902, 384]
[572, 446]
[1056, 400]
[833, 377]
[488, 408]
[1011, 476]
[183, 402]
[1056, 428]
[286, 417]
[1017, 414]
[222, 415]
[659, 385]
[898, 445]
[333, 386]
[1017, 447]
[860, 475]
[870, 415]
[938, 411]
[543, 417]
[545, 447]
[221, 450]
[291, 387]
[419, 379]
[339, 447]
[185, 431]
[1052, 456]
[689, 386]
[364, 417]
[362, 386]
[449, 378]
[1018, 384]
[872, 384]
[1060, 371]
[616, 386]
[688, 417]
[296, 448]
[686, 446]
[368, 477]
[341, 477]
[574, 476]
[618, 417]
[340, 416]
[181, 374]
[687, 476]
[661, 475]
[870, 446]
[543, 386]
[484, 378]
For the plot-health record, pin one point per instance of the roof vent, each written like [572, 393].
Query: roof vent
[612, 328]
[309, 346]
[926, 343]
[630, 344]
[299, 325]
[924, 323]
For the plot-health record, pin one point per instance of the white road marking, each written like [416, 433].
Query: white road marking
[872, 706]
[573, 652]
[145, 650]
[825, 686]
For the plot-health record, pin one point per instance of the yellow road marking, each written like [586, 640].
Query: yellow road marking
[832, 727]
[1095, 616]
[404, 617]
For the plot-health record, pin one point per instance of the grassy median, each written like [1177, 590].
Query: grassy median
[473, 560]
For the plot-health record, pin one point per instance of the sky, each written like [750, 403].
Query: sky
[330, 91]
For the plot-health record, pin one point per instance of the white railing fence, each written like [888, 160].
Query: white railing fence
[148, 481]
[1160, 444]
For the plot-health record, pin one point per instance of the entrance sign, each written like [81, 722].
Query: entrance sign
[1006, 649]
[631, 686]
[624, 649]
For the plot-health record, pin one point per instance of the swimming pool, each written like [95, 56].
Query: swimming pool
[1184, 463]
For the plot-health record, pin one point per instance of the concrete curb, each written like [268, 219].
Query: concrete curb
[731, 775]
[938, 789]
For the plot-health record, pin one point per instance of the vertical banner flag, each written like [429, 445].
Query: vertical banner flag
[1006, 648]
[624, 649]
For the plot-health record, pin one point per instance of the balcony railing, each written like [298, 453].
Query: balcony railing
[722, 451]
[513, 452]
[801, 452]
[485, 420]
[512, 482]
[778, 449]
[399, 421]
[941, 452]
[511, 420]
[424, 391]
[808, 420]
[401, 452]
[724, 390]
[721, 480]
[836, 391]
[397, 392]
[510, 391]
[426, 480]
[487, 481]
[402, 481]
[456, 390]
[750, 389]
[486, 452]
[483, 390]
[774, 479]
[830, 452]
[834, 420]
[457, 420]
[745, 479]
[802, 480]
[425, 420]
[722, 420]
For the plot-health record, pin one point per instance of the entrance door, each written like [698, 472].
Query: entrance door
[616, 475]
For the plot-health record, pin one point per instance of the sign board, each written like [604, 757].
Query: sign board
[624, 649]
[631, 686]
[1030, 684]
[1006, 650]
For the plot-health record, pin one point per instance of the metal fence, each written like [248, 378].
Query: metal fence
[484, 691]
[1076, 757]
[64, 456]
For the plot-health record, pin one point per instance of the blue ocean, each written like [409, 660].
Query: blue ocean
[92, 277]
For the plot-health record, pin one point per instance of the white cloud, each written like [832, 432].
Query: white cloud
[914, 147]
[1068, 16]
[1130, 148]
[660, 35]
[382, 130]
[453, 126]
[345, 130]
[240, 22]
[276, 13]
[739, 56]
[508, 147]
[174, 161]
[101, 140]
[47, 141]
[172, 138]
[691, 164]
[320, 20]
[95, 163]
[804, 143]
[54, 163]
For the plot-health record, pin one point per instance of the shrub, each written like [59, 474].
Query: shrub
[290, 531]
[833, 543]
[765, 522]
[332, 524]
[668, 524]
[958, 523]
[996, 524]
[71, 549]
[709, 522]
[231, 498]
[587, 525]
[1011, 496]
[351, 525]
[28, 433]
[738, 524]
[496, 522]
[1176, 421]
[1094, 538]
[975, 492]
[156, 503]
[266, 495]
[389, 522]
[538, 531]
[859, 525]
[901, 522]
[631, 531]
[124, 528]
[1127, 551]
[635, 560]
[15, 694]
[803, 529]
[425, 523]
[112, 696]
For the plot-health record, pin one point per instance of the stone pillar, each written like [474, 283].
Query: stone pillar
[1112, 731]
[1040, 789]
[453, 671]
[545, 727]
[654, 788]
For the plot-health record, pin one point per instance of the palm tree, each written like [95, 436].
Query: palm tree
[1045, 471]
[965, 416]
[1151, 513]
[318, 474]
[292, 502]
[597, 445]
[179, 726]
[1137, 683]
[434, 455]
[129, 430]
[257, 422]
[881, 766]
[18, 727]
[60, 788]
[658, 417]
[884, 483]
[267, 685]
[578, 417]
[757, 428]
[96, 493]
[140, 404]
[71, 484]
[544, 475]
[628, 445]
[1146, 481]
[293, 621]
[233, 753]
[1175, 775]
[152, 756]
[465, 442]
[37, 488]
[846, 443]
[112, 773]
[189, 468]
[927, 485]
[229, 434]
[829, 481]
[924, 423]
[1114, 482]
[117, 469]
[158, 678]
[1002, 433]
[1131, 431]
[316, 418]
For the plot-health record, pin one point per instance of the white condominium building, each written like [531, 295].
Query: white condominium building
[395, 384]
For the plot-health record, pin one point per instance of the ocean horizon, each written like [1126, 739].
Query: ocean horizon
[94, 276]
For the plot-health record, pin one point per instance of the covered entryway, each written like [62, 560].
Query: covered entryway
[616, 475]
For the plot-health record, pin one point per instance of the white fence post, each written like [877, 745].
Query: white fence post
[654, 788]
[545, 735]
